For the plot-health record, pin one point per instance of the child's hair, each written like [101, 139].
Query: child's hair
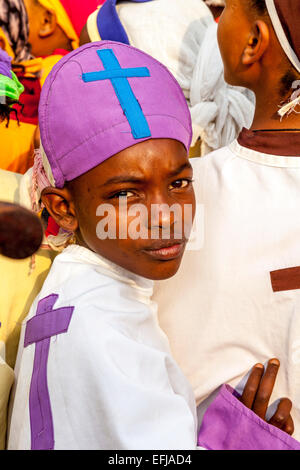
[6, 109]
[291, 74]
[259, 6]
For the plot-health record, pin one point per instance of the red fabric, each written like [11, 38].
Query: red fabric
[79, 11]
[61, 52]
[285, 279]
[52, 227]
[30, 99]
[282, 143]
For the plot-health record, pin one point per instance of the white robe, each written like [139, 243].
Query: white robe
[111, 379]
[219, 311]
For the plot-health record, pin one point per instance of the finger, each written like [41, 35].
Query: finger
[289, 426]
[252, 385]
[279, 419]
[265, 388]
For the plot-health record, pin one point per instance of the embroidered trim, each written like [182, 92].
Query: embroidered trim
[39, 329]
[285, 279]
[264, 158]
[227, 393]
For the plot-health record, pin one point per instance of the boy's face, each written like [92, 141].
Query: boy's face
[121, 197]
[233, 34]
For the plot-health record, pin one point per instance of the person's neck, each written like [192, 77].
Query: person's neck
[266, 113]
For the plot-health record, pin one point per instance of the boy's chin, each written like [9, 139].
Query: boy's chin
[162, 271]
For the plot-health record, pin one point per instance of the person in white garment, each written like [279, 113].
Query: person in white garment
[183, 36]
[240, 291]
[94, 369]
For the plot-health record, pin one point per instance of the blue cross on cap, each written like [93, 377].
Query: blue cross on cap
[118, 77]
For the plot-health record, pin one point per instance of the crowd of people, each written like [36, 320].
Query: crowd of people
[127, 129]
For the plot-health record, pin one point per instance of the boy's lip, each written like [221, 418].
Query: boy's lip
[166, 250]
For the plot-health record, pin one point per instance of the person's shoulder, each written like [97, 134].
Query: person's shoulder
[210, 167]
[79, 278]
[71, 279]
[217, 157]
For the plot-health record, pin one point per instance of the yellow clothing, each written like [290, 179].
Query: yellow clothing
[17, 141]
[47, 65]
[17, 146]
[7, 47]
[196, 150]
[6, 381]
[18, 288]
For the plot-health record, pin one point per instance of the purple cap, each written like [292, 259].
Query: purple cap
[5, 64]
[103, 98]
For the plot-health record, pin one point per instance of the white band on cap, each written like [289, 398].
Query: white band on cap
[47, 166]
[281, 34]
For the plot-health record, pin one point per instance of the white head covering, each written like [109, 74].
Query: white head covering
[215, 3]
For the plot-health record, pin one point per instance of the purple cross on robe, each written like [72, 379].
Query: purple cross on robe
[39, 329]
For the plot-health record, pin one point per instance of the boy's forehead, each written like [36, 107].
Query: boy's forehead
[146, 162]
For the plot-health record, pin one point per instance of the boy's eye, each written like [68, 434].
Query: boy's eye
[180, 184]
[123, 194]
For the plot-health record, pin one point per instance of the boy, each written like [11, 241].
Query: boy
[94, 370]
[242, 288]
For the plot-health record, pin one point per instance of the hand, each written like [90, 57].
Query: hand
[257, 394]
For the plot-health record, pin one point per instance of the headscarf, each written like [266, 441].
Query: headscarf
[14, 24]
[10, 87]
[215, 3]
[5, 64]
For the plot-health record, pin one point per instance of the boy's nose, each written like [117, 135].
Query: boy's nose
[163, 219]
[162, 216]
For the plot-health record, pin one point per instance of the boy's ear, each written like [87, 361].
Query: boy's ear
[59, 203]
[258, 43]
[48, 23]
